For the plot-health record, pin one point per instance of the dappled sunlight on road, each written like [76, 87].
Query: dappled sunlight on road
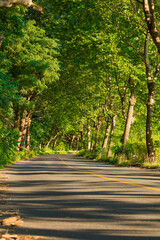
[62, 203]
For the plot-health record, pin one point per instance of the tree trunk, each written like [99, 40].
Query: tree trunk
[105, 141]
[149, 11]
[149, 137]
[28, 3]
[28, 134]
[17, 119]
[22, 131]
[1, 39]
[71, 142]
[81, 139]
[24, 123]
[150, 104]
[129, 120]
[51, 139]
[111, 136]
[122, 95]
[9, 3]
[55, 142]
[40, 147]
[77, 143]
[24, 127]
[98, 126]
[89, 137]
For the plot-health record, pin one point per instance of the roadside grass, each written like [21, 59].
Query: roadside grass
[51, 151]
[24, 155]
[134, 155]
[152, 165]
[15, 156]
[8, 160]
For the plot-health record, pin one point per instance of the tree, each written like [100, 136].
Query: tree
[34, 67]
[150, 15]
[106, 63]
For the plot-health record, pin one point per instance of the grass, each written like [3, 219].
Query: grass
[152, 165]
[17, 156]
[51, 151]
[134, 155]
[8, 160]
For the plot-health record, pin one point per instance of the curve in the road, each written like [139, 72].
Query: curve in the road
[111, 179]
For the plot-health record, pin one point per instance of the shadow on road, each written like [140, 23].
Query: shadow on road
[61, 203]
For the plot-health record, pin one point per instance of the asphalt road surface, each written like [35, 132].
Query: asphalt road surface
[65, 197]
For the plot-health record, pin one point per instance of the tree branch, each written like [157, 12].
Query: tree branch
[1, 39]
[149, 11]
[139, 1]
[123, 38]
[157, 70]
[28, 3]
[146, 58]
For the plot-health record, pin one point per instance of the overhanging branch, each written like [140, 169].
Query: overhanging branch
[1, 39]
[149, 11]
[139, 1]
[28, 3]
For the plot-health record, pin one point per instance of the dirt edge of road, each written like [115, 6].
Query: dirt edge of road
[10, 218]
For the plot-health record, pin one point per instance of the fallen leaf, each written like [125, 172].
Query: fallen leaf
[9, 236]
[12, 221]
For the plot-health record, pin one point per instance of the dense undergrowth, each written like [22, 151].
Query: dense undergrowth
[134, 154]
[7, 160]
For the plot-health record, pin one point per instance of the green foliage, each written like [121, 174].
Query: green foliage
[33, 59]
[69, 69]
[61, 146]
[38, 133]
[152, 165]
[28, 66]
[8, 143]
[87, 154]
[8, 90]
[134, 154]
[24, 155]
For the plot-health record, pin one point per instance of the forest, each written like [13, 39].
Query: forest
[80, 75]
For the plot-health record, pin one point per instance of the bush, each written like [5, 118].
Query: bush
[133, 154]
[8, 143]
[61, 146]
[98, 153]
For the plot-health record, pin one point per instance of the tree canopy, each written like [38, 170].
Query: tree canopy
[79, 76]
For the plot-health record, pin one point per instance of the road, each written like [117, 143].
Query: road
[64, 197]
